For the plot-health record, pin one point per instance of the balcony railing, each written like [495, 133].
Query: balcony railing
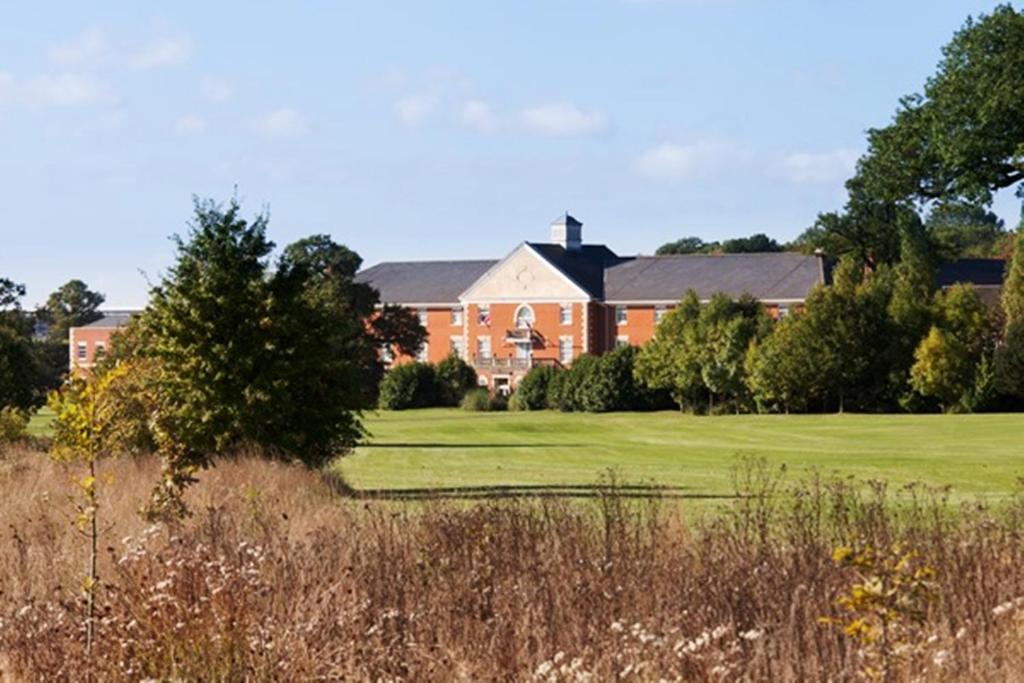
[492, 363]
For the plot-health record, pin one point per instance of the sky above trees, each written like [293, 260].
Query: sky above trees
[438, 130]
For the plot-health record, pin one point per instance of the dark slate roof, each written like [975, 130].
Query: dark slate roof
[423, 282]
[977, 271]
[113, 319]
[770, 276]
[585, 266]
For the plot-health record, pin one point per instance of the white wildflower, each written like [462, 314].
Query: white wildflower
[752, 634]
[941, 657]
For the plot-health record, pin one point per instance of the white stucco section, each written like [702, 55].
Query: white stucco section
[522, 276]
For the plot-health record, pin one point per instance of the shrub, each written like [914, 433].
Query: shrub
[13, 422]
[412, 385]
[532, 392]
[498, 402]
[476, 400]
[455, 377]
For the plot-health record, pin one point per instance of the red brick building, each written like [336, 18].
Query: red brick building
[550, 302]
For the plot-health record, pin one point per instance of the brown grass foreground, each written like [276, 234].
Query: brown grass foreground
[276, 577]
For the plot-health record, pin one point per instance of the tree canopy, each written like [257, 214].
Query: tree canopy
[756, 243]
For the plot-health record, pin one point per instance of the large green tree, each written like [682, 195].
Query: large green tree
[237, 350]
[962, 138]
[18, 369]
[72, 305]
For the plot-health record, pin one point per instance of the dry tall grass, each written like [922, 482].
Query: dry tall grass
[276, 577]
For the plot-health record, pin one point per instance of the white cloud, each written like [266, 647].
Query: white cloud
[415, 108]
[678, 163]
[162, 52]
[804, 168]
[563, 119]
[283, 122]
[479, 115]
[46, 90]
[216, 89]
[89, 47]
[190, 124]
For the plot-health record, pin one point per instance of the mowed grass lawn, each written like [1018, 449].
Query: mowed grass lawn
[481, 453]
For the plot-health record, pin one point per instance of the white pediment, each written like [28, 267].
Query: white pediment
[524, 275]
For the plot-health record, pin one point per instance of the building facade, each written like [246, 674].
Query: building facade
[548, 303]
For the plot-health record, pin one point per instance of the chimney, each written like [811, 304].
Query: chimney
[568, 232]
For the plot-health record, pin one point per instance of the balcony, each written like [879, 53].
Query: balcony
[494, 364]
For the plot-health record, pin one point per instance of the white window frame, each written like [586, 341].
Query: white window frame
[621, 340]
[387, 356]
[659, 313]
[565, 344]
[423, 355]
[457, 315]
[520, 309]
[483, 312]
[82, 351]
[99, 349]
[483, 343]
[565, 314]
[421, 314]
[782, 311]
[457, 345]
[621, 315]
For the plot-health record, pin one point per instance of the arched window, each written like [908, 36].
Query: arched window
[524, 317]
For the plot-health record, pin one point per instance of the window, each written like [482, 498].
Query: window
[101, 348]
[483, 315]
[620, 315]
[565, 350]
[659, 313]
[456, 315]
[483, 347]
[783, 311]
[565, 314]
[421, 355]
[83, 350]
[385, 354]
[421, 313]
[457, 346]
[621, 340]
[524, 317]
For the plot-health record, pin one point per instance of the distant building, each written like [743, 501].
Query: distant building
[547, 303]
[550, 302]
[88, 343]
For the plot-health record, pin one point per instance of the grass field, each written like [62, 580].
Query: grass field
[426, 453]
[439, 452]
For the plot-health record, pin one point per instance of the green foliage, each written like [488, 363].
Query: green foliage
[532, 391]
[779, 375]
[966, 231]
[18, 358]
[941, 369]
[13, 423]
[410, 385]
[868, 230]
[953, 364]
[961, 139]
[698, 352]
[477, 400]
[72, 305]
[455, 377]
[756, 243]
[1009, 362]
[1013, 287]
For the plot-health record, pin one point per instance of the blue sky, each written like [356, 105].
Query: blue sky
[437, 130]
